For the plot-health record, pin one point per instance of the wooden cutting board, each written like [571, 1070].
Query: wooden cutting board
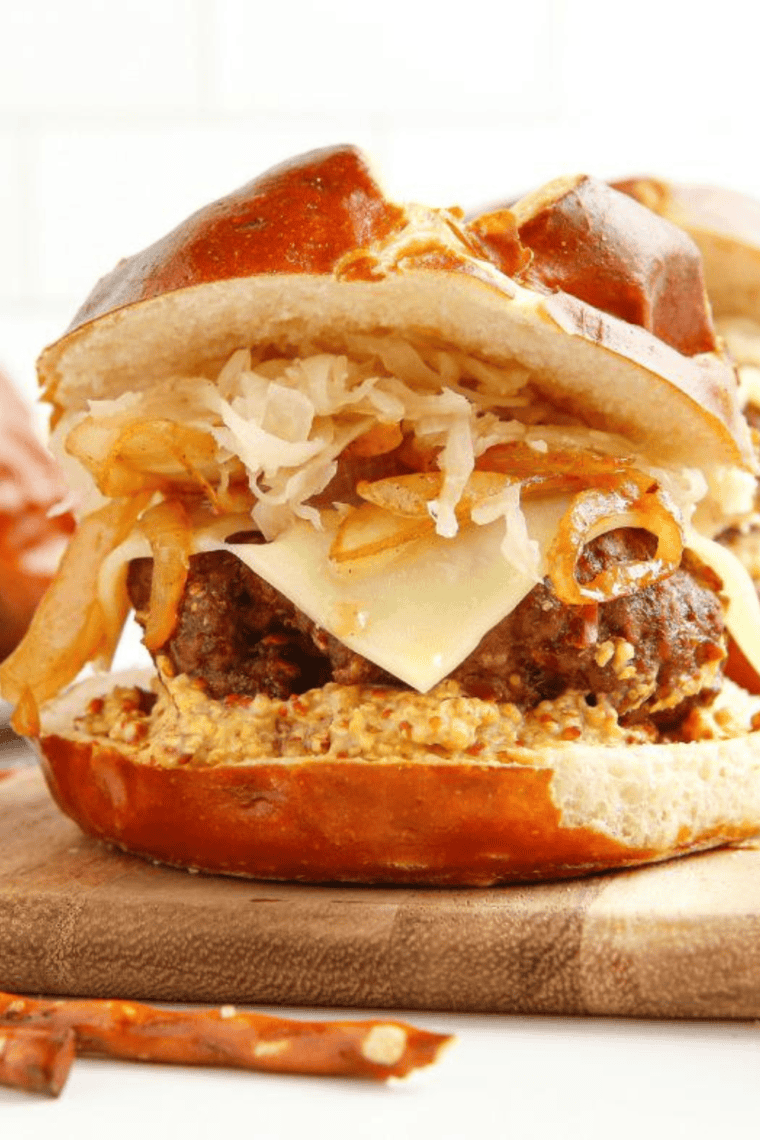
[76, 918]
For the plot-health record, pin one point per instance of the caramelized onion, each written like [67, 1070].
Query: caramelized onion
[418, 456]
[379, 440]
[167, 528]
[398, 511]
[26, 715]
[635, 502]
[370, 534]
[610, 494]
[500, 466]
[405, 495]
[559, 469]
[412, 495]
[69, 627]
[143, 454]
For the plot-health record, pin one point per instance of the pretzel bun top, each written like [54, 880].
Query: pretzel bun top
[314, 250]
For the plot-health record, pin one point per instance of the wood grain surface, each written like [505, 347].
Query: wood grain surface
[678, 940]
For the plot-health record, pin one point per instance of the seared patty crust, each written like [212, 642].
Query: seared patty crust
[650, 653]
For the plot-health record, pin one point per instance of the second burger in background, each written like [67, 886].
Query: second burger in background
[725, 224]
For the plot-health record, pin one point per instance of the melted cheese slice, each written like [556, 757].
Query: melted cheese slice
[419, 616]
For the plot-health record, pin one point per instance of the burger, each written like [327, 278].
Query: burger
[419, 518]
[31, 537]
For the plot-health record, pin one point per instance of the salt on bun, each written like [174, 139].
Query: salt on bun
[527, 397]
[31, 541]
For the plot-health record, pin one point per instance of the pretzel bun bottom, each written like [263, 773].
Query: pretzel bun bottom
[536, 814]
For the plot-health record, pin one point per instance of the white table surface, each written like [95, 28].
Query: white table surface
[503, 1076]
[510, 1076]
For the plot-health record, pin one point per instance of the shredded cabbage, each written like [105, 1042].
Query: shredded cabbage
[287, 420]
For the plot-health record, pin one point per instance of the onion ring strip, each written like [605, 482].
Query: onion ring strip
[143, 455]
[370, 532]
[167, 528]
[561, 468]
[636, 502]
[69, 627]
[610, 494]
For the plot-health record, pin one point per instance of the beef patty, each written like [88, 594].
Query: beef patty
[647, 652]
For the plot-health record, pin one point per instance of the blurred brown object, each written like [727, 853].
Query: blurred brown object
[31, 542]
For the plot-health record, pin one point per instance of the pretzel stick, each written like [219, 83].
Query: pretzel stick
[35, 1059]
[135, 1032]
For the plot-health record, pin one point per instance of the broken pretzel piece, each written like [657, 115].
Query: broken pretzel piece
[225, 1037]
[36, 1059]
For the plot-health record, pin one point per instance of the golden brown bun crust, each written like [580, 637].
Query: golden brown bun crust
[589, 240]
[329, 821]
[725, 224]
[300, 217]
[434, 824]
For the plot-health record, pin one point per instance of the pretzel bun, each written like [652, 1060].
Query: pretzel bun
[725, 224]
[30, 541]
[315, 271]
[314, 248]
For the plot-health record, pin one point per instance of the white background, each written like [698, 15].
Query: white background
[117, 120]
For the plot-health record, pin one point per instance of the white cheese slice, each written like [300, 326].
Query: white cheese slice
[418, 617]
[422, 615]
